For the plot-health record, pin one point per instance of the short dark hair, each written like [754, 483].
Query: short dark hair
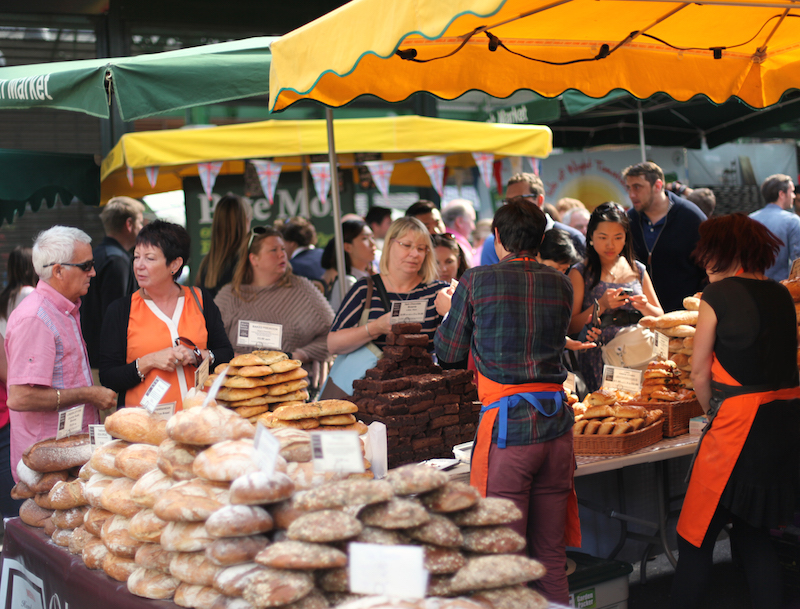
[558, 247]
[420, 208]
[172, 239]
[300, 231]
[773, 186]
[520, 225]
[704, 198]
[726, 240]
[650, 171]
[534, 182]
[377, 214]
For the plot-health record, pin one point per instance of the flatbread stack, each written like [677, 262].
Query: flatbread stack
[258, 381]
[662, 383]
[325, 415]
[679, 326]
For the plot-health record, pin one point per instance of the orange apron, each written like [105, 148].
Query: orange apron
[491, 392]
[718, 452]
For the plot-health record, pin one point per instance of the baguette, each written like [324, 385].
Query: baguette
[680, 331]
[677, 318]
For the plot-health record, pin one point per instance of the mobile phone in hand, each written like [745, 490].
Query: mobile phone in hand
[626, 291]
[596, 313]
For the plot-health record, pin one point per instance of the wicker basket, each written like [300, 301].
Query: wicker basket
[676, 415]
[622, 444]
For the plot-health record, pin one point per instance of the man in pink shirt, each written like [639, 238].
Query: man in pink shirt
[48, 367]
[459, 218]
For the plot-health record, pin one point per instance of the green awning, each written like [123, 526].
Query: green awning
[144, 85]
[41, 177]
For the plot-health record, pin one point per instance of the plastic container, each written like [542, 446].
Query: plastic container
[598, 583]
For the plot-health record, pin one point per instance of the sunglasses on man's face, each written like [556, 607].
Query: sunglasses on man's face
[84, 266]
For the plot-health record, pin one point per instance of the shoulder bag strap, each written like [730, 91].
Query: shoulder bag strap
[382, 292]
[367, 303]
[199, 306]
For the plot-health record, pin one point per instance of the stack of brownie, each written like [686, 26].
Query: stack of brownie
[426, 410]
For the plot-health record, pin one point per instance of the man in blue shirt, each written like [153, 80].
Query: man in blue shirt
[530, 186]
[778, 192]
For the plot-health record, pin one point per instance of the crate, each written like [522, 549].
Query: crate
[622, 444]
[676, 414]
[597, 582]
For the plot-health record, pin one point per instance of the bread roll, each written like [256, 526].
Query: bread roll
[193, 568]
[176, 459]
[601, 397]
[208, 425]
[116, 535]
[621, 427]
[150, 487]
[258, 358]
[626, 411]
[116, 497]
[67, 495]
[235, 550]
[238, 521]
[691, 303]
[192, 500]
[149, 583]
[146, 526]
[591, 427]
[137, 426]
[52, 455]
[579, 426]
[86, 471]
[136, 460]
[488, 511]
[103, 458]
[117, 567]
[94, 552]
[606, 427]
[598, 412]
[226, 461]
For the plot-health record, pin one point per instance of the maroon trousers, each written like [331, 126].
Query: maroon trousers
[538, 479]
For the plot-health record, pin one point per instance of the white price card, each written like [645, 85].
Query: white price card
[259, 334]
[625, 379]
[164, 411]
[395, 571]
[154, 393]
[98, 436]
[212, 393]
[265, 449]
[569, 383]
[337, 451]
[201, 374]
[70, 422]
[661, 346]
[408, 312]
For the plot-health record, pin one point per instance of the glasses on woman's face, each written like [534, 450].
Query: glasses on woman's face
[257, 230]
[407, 247]
[84, 266]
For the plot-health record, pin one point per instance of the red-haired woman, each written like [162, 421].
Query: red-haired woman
[745, 375]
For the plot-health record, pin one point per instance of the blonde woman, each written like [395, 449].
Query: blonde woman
[408, 272]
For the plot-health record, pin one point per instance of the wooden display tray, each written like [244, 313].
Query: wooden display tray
[676, 414]
[622, 444]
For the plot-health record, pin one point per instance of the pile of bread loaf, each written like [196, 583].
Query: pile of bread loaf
[258, 381]
[606, 412]
[679, 326]
[426, 410]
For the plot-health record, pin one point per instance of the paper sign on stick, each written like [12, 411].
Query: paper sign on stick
[336, 451]
[69, 422]
[624, 379]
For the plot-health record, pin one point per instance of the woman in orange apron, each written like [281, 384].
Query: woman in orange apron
[745, 374]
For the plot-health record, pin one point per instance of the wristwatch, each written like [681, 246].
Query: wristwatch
[211, 358]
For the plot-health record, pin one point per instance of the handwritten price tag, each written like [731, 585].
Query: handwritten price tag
[624, 379]
[70, 422]
[98, 436]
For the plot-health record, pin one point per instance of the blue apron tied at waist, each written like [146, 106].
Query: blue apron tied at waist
[555, 399]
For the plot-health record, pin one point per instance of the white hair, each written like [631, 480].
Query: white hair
[55, 245]
[457, 208]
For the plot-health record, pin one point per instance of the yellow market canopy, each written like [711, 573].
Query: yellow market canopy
[177, 152]
[721, 48]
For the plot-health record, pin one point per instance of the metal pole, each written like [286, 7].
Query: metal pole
[337, 208]
[306, 199]
[641, 132]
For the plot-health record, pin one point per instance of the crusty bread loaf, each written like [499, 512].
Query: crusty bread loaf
[33, 515]
[512, 597]
[43, 501]
[324, 526]
[301, 555]
[185, 537]
[153, 556]
[492, 540]
[258, 488]
[439, 560]
[94, 487]
[384, 537]
[176, 459]
[103, 458]
[208, 425]
[117, 567]
[305, 477]
[67, 495]
[86, 471]
[61, 537]
[395, 514]
[78, 539]
[146, 526]
[275, 587]
[116, 535]
[198, 597]
[116, 497]
[452, 497]
[52, 455]
[439, 530]
[495, 571]
[69, 519]
[150, 487]
[136, 460]
[192, 500]
[342, 493]
[94, 519]
[284, 513]
[235, 550]
[232, 580]
[136, 425]
[94, 552]
[648, 321]
[413, 479]
[149, 583]
[239, 521]
[193, 568]
[39, 482]
[334, 580]
[21, 491]
[226, 461]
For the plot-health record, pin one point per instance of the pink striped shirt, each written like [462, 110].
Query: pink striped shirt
[45, 347]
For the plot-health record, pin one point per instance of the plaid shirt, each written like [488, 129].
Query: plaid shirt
[514, 316]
